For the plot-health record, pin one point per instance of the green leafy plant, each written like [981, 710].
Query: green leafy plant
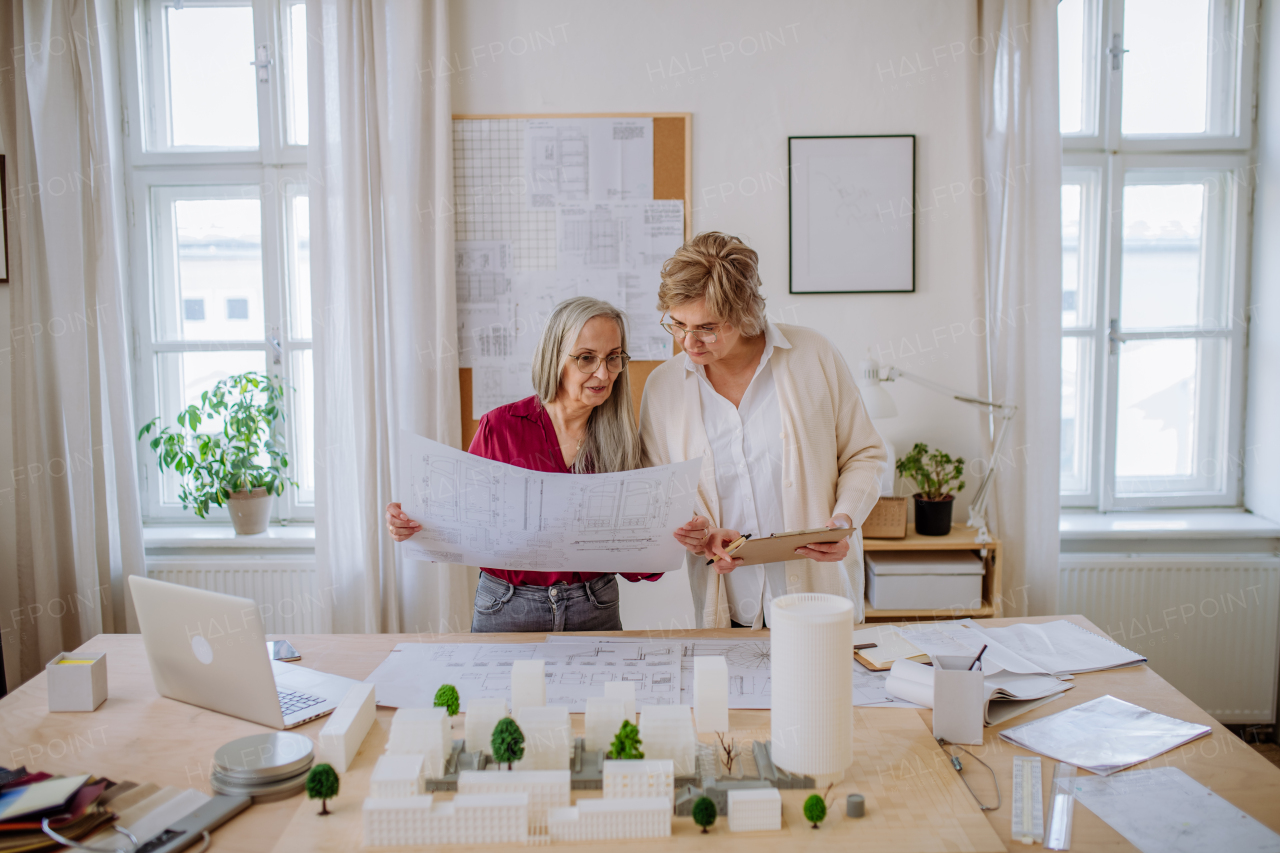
[933, 473]
[815, 810]
[447, 698]
[245, 454]
[507, 742]
[626, 743]
[704, 812]
[322, 785]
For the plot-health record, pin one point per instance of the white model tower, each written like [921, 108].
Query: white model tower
[811, 665]
[529, 685]
[711, 694]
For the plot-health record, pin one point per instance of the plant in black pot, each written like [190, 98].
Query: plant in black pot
[239, 464]
[933, 473]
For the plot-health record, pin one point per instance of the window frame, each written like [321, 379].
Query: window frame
[274, 167]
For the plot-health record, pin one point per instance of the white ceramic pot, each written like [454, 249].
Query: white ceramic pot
[250, 511]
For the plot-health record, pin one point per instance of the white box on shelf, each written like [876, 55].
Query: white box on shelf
[477, 726]
[624, 692]
[609, 819]
[666, 732]
[398, 775]
[548, 738]
[528, 685]
[346, 728]
[958, 700]
[427, 731]
[546, 789]
[755, 810]
[603, 719]
[924, 580]
[711, 694]
[77, 686]
[639, 778]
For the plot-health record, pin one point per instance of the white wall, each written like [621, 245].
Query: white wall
[8, 520]
[832, 68]
[1262, 413]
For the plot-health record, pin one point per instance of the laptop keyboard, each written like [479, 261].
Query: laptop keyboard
[292, 703]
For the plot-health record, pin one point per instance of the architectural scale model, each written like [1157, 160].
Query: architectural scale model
[546, 789]
[625, 692]
[397, 775]
[711, 694]
[466, 819]
[639, 778]
[609, 819]
[423, 731]
[346, 728]
[603, 717]
[811, 668]
[666, 732]
[548, 738]
[755, 810]
[528, 685]
[481, 716]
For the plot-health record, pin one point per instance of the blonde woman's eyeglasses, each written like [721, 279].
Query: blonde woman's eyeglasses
[707, 336]
[590, 362]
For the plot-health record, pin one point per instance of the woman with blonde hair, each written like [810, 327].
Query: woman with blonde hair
[580, 420]
[775, 414]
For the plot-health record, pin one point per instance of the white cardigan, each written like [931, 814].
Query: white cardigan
[831, 462]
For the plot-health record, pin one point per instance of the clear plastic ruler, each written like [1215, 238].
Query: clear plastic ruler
[1062, 801]
[1028, 800]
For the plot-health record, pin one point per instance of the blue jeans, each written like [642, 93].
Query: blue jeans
[501, 607]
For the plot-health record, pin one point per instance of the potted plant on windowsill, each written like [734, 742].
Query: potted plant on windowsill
[933, 473]
[240, 465]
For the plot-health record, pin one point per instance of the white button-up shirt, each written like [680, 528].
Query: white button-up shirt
[746, 446]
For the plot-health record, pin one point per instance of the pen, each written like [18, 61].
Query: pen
[733, 546]
[978, 658]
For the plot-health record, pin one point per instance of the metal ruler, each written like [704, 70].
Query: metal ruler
[1028, 800]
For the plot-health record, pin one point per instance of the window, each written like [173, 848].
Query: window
[1156, 117]
[216, 119]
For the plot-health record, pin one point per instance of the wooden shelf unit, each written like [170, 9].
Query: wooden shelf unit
[959, 539]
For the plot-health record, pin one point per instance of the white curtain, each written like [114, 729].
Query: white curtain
[1022, 165]
[381, 181]
[79, 527]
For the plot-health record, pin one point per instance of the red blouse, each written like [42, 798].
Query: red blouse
[521, 434]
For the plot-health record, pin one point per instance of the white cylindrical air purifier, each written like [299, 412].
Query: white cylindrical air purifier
[811, 665]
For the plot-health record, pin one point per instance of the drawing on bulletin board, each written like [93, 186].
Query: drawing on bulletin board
[552, 207]
[852, 214]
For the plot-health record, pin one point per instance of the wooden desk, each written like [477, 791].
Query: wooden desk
[138, 735]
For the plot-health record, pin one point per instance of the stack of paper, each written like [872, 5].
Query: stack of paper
[1007, 694]
[1058, 648]
[1104, 735]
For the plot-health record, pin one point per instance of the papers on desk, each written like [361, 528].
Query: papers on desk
[1057, 648]
[1163, 810]
[1006, 694]
[1104, 735]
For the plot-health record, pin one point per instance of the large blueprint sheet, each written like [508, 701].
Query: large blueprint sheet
[478, 512]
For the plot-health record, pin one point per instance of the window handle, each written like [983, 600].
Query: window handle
[262, 63]
[1115, 337]
[1117, 51]
[275, 345]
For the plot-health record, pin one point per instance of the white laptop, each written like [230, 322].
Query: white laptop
[208, 649]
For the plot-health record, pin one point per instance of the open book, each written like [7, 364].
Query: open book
[1006, 694]
[1058, 648]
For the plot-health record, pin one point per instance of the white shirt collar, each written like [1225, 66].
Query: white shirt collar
[773, 338]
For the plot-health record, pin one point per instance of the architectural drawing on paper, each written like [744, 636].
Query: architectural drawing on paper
[596, 235]
[466, 819]
[608, 818]
[559, 162]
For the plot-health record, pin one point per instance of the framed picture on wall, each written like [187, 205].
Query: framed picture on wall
[4, 224]
[852, 213]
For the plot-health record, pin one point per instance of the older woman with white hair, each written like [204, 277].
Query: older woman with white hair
[786, 441]
[580, 420]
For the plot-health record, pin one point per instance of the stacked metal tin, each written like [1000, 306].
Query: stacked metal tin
[267, 767]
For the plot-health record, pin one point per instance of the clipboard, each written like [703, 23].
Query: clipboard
[781, 547]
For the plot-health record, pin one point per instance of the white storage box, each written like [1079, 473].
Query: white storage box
[80, 684]
[924, 580]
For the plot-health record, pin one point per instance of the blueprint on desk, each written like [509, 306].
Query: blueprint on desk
[575, 672]
[478, 512]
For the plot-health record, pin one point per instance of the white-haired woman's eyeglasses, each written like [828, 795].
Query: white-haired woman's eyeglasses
[590, 362]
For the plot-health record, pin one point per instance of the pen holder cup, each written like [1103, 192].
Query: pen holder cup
[77, 686]
[957, 700]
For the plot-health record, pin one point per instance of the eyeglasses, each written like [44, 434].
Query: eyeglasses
[590, 362]
[707, 336]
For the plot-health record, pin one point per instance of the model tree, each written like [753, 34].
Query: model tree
[815, 810]
[626, 743]
[322, 785]
[704, 812]
[507, 742]
[447, 698]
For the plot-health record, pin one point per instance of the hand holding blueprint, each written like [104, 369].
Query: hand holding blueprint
[478, 512]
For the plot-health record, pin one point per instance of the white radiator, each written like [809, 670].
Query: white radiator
[1206, 622]
[285, 589]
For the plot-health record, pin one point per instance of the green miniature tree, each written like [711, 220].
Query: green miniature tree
[626, 743]
[322, 785]
[507, 742]
[704, 812]
[815, 810]
[447, 698]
